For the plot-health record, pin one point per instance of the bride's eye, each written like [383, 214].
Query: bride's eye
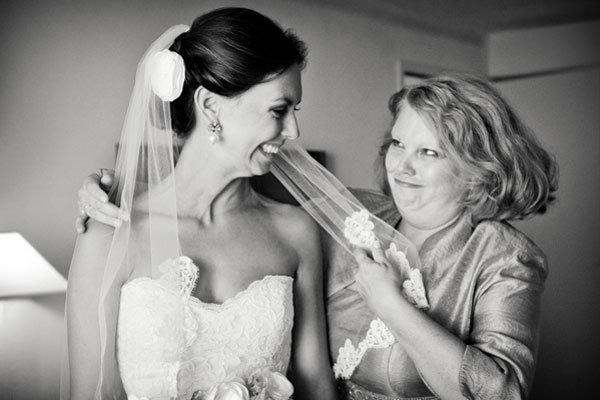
[279, 113]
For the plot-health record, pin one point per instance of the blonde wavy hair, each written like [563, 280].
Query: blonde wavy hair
[507, 174]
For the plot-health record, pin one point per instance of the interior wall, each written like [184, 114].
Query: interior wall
[67, 70]
[561, 106]
[545, 49]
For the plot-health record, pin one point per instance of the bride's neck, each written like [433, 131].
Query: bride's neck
[206, 184]
[206, 187]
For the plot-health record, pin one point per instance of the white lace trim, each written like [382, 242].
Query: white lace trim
[359, 231]
[412, 288]
[159, 323]
[378, 337]
[180, 273]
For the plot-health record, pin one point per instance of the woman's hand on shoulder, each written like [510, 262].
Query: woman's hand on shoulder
[93, 201]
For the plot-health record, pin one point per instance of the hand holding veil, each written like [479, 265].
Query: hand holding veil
[344, 218]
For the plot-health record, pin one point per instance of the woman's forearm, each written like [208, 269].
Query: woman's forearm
[436, 352]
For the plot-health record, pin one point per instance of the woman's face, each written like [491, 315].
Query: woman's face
[422, 179]
[259, 121]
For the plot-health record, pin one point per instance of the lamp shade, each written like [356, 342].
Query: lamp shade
[23, 271]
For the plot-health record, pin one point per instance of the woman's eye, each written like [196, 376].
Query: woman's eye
[430, 153]
[397, 143]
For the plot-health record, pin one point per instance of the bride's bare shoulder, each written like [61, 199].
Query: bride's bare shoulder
[295, 224]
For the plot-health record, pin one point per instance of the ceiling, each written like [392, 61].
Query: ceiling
[474, 19]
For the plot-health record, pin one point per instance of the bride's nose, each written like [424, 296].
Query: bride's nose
[290, 128]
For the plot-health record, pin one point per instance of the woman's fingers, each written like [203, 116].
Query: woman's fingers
[360, 255]
[80, 223]
[107, 177]
[107, 214]
[106, 209]
[93, 201]
[378, 254]
[91, 187]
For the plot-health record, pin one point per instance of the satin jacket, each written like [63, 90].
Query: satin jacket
[484, 285]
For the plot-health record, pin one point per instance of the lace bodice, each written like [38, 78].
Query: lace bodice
[174, 346]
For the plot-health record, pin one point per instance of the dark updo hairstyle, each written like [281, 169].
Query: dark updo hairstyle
[227, 51]
[506, 173]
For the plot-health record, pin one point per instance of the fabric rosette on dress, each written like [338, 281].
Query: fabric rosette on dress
[270, 385]
[263, 385]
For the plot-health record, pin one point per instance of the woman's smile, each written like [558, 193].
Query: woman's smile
[406, 184]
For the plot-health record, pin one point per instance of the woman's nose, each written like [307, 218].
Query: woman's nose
[403, 164]
[290, 129]
[406, 166]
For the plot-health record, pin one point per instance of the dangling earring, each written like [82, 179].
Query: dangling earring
[215, 129]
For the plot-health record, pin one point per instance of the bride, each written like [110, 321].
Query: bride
[207, 287]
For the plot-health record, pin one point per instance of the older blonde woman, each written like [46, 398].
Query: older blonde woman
[459, 164]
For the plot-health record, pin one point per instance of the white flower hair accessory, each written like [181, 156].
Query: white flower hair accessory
[167, 73]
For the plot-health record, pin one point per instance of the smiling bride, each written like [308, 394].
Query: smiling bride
[208, 287]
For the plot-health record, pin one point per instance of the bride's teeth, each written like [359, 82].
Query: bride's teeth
[270, 148]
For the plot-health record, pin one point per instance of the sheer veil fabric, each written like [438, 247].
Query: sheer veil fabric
[145, 189]
[332, 205]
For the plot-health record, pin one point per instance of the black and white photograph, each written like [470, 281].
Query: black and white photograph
[299, 199]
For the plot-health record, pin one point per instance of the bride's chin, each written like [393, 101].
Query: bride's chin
[260, 167]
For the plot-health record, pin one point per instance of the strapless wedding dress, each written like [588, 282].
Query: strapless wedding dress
[173, 346]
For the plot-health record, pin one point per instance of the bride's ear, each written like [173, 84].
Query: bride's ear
[207, 103]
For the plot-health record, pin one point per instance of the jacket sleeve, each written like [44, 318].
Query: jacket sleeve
[499, 360]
